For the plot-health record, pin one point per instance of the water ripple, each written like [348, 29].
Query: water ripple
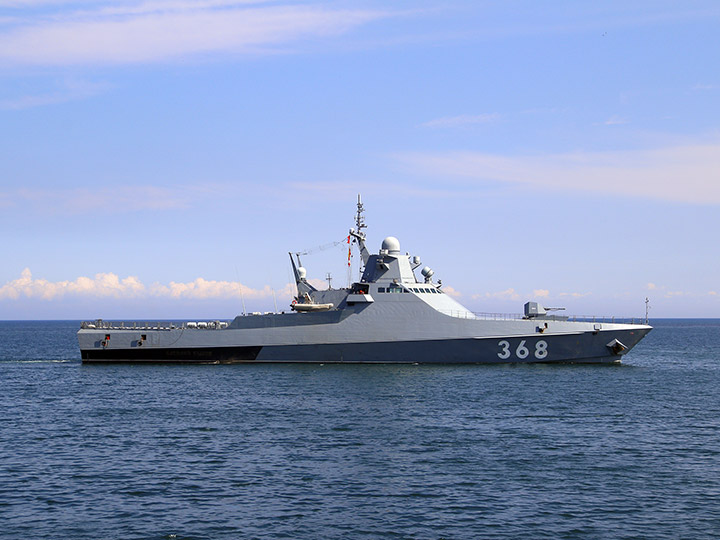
[224, 452]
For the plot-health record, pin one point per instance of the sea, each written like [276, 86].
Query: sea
[360, 451]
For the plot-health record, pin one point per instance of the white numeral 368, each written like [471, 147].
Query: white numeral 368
[522, 352]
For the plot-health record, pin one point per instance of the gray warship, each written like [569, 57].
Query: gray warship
[389, 316]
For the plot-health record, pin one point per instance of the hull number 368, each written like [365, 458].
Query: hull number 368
[522, 352]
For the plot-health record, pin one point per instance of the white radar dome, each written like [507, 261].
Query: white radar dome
[392, 245]
[302, 272]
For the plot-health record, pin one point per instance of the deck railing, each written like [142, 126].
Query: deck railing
[154, 325]
[518, 316]
[608, 319]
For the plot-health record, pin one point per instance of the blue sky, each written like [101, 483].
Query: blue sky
[159, 157]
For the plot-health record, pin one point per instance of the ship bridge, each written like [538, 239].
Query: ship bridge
[391, 272]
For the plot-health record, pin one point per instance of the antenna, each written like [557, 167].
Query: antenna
[647, 309]
[360, 225]
[359, 218]
[275, 300]
[328, 277]
[242, 298]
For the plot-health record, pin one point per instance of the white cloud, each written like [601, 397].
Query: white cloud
[20, 4]
[110, 285]
[204, 289]
[573, 295]
[615, 121]
[344, 190]
[130, 7]
[686, 174]
[69, 90]
[119, 33]
[102, 285]
[318, 283]
[114, 200]
[452, 292]
[671, 294]
[462, 120]
[508, 294]
[541, 293]
[667, 293]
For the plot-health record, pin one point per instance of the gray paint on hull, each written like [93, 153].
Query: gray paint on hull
[585, 347]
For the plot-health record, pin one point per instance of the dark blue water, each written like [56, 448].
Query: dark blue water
[310, 452]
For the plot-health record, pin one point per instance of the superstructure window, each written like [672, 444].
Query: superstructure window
[381, 289]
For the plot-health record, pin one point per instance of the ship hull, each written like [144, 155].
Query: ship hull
[568, 347]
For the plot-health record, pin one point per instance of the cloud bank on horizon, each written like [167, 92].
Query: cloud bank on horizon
[105, 285]
[109, 285]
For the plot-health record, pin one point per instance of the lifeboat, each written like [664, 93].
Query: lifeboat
[311, 307]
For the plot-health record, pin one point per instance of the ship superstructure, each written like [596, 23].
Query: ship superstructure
[390, 315]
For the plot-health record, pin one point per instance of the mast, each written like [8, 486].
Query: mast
[359, 235]
[359, 218]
